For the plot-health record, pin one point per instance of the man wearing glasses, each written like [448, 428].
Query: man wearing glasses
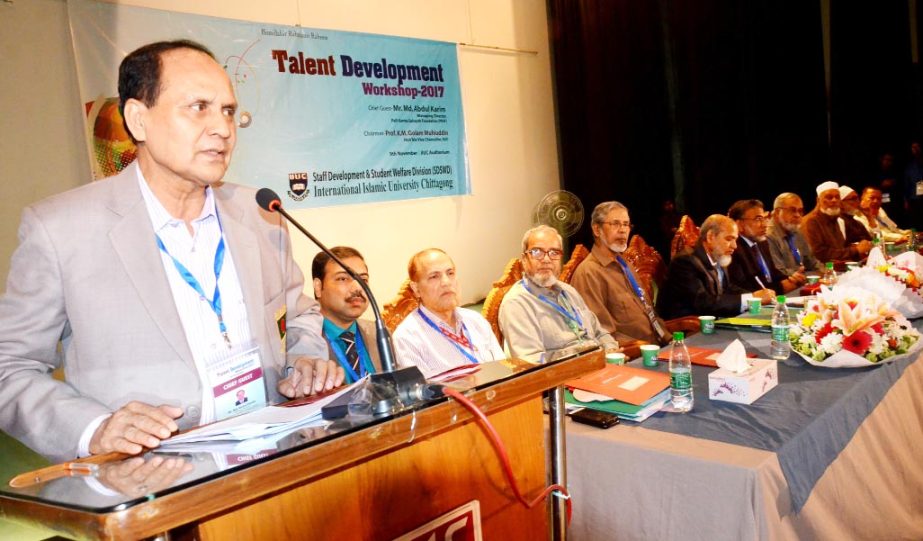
[789, 249]
[751, 265]
[610, 286]
[540, 313]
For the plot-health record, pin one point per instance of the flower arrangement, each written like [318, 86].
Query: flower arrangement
[904, 275]
[850, 326]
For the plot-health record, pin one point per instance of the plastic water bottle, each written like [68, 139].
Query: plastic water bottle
[680, 375]
[780, 347]
[828, 278]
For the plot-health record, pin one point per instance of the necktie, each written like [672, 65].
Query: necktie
[791, 245]
[352, 353]
[764, 270]
[720, 280]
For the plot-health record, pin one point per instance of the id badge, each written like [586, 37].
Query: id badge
[237, 384]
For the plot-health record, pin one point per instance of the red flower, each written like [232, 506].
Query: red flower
[878, 328]
[824, 331]
[858, 342]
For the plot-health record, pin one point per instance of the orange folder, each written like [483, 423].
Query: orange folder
[626, 383]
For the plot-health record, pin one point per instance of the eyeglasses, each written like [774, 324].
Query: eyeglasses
[758, 219]
[537, 253]
[619, 225]
[793, 210]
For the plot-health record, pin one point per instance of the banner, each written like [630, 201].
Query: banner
[325, 117]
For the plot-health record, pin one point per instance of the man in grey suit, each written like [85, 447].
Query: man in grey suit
[350, 340]
[166, 289]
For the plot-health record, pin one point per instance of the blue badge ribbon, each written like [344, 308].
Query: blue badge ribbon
[215, 302]
[571, 315]
[631, 279]
[464, 351]
[341, 358]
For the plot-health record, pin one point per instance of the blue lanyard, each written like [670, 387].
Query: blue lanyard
[215, 302]
[631, 279]
[458, 346]
[572, 315]
[341, 358]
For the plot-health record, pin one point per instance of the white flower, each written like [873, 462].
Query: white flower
[831, 343]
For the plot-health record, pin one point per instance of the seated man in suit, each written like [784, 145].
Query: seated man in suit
[166, 289]
[610, 286]
[789, 249]
[822, 228]
[751, 265]
[439, 335]
[540, 313]
[697, 282]
[350, 340]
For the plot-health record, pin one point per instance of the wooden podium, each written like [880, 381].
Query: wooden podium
[378, 481]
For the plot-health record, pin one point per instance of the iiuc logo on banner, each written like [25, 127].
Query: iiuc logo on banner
[298, 186]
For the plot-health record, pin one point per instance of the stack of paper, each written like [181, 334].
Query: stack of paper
[624, 410]
[631, 393]
[257, 424]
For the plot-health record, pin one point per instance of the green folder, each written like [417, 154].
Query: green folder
[622, 409]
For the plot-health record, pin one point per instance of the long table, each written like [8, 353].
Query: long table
[642, 481]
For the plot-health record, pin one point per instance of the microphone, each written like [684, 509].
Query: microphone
[269, 200]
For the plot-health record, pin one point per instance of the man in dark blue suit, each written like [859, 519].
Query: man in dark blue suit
[752, 266]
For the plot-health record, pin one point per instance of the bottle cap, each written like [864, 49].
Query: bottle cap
[830, 264]
[678, 335]
[780, 299]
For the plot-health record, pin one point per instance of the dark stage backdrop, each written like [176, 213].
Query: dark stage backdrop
[711, 101]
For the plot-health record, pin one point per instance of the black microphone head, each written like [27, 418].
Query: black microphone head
[268, 199]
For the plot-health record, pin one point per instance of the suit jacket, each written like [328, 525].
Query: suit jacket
[604, 286]
[745, 266]
[88, 274]
[691, 288]
[367, 330]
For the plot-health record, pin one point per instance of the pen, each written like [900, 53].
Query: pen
[760, 282]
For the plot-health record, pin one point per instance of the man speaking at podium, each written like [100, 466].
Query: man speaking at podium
[167, 290]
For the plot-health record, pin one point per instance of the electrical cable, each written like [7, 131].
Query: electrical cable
[500, 449]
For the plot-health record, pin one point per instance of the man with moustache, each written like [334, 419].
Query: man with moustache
[610, 286]
[439, 335]
[751, 265]
[540, 313]
[350, 340]
[697, 282]
[876, 220]
[150, 287]
[822, 229]
[789, 249]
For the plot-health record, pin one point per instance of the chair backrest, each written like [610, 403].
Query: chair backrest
[491, 310]
[400, 307]
[648, 265]
[576, 258]
[685, 237]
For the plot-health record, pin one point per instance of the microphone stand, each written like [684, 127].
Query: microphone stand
[408, 383]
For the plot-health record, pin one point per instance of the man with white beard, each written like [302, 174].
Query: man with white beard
[789, 249]
[541, 314]
[822, 230]
[697, 281]
[609, 284]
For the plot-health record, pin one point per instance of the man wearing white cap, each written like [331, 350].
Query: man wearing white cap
[851, 227]
[822, 229]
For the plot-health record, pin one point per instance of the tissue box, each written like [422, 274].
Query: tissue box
[746, 387]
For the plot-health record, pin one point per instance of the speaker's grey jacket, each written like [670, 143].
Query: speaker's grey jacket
[87, 289]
